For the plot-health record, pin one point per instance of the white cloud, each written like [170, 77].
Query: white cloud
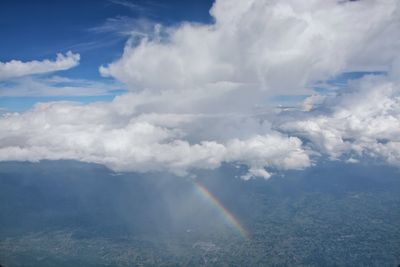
[16, 68]
[281, 47]
[364, 121]
[99, 133]
[199, 92]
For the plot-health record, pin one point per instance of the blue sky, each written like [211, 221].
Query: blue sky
[36, 30]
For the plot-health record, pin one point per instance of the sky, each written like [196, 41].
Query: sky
[96, 30]
[136, 85]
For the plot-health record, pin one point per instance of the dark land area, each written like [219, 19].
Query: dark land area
[66, 213]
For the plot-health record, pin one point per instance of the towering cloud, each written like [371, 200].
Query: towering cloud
[278, 46]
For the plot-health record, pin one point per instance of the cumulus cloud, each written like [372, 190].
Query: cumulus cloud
[275, 46]
[364, 121]
[17, 68]
[198, 93]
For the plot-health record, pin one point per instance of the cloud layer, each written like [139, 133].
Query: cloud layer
[103, 133]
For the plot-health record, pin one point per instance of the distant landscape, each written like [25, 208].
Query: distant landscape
[67, 213]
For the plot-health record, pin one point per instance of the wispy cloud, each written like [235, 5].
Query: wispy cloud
[100, 42]
[126, 26]
[145, 6]
[55, 86]
[128, 4]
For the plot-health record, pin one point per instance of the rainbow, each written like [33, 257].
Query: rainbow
[226, 214]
